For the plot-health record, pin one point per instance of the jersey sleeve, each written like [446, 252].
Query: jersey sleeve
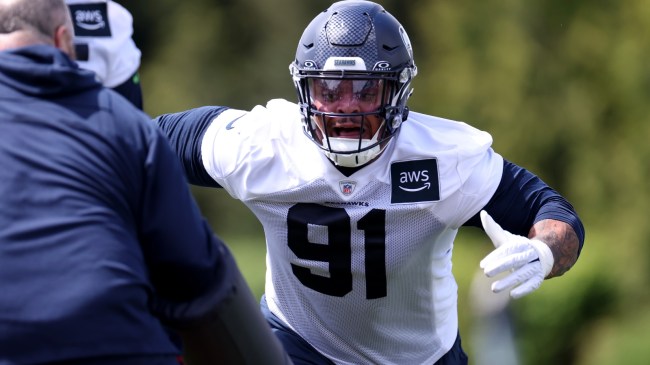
[523, 199]
[243, 151]
[236, 150]
[185, 132]
[225, 143]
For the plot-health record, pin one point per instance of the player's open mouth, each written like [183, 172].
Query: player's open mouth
[349, 128]
[346, 132]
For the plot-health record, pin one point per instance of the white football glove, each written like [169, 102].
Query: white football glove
[529, 261]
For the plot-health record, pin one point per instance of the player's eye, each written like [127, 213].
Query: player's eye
[329, 96]
[367, 91]
[366, 96]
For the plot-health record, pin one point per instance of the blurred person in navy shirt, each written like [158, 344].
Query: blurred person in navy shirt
[101, 245]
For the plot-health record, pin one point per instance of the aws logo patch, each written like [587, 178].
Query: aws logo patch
[414, 181]
[90, 20]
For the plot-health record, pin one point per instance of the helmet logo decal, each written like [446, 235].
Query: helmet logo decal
[382, 66]
[310, 65]
[347, 186]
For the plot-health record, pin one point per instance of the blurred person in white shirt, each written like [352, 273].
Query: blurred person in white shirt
[104, 44]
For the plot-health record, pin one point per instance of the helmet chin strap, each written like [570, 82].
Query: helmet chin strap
[355, 159]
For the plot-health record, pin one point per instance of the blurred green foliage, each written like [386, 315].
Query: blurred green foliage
[563, 86]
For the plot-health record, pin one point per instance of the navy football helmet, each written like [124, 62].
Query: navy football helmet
[353, 48]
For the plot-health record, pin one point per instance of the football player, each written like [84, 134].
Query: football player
[361, 199]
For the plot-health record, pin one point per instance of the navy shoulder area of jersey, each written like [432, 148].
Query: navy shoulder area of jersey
[185, 131]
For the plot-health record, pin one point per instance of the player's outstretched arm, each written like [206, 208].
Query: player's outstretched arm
[561, 239]
[184, 131]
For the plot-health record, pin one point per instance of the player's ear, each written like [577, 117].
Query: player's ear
[63, 40]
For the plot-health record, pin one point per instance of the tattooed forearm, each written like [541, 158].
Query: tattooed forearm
[562, 240]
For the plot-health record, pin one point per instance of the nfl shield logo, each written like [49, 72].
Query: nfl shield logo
[347, 187]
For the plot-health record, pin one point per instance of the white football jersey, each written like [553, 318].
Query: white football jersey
[105, 29]
[359, 266]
